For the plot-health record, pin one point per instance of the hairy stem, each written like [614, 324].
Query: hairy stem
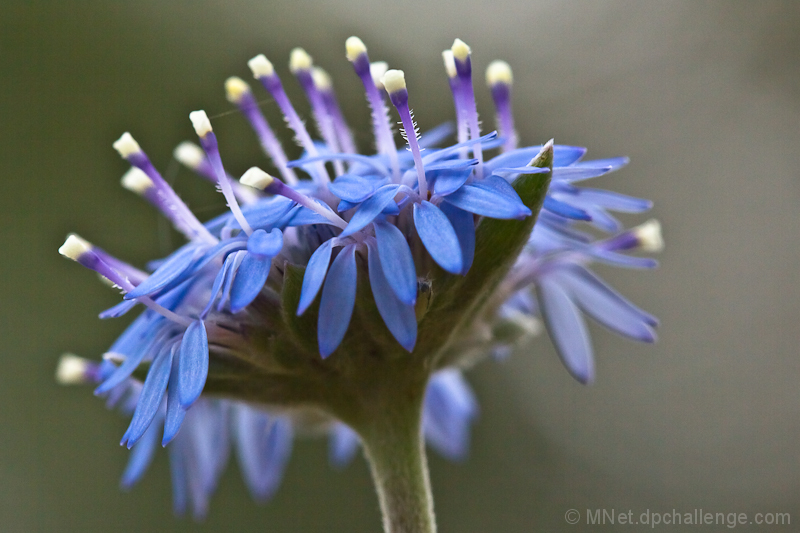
[395, 451]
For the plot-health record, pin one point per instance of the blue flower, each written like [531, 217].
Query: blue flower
[341, 259]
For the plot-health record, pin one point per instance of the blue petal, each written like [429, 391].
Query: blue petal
[193, 363]
[451, 164]
[249, 280]
[562, 156]
[399, 317]
[175, 413]
[343, 445]
[396, 261]
[119, 309]
[576, 173]
[488, 202]
[236, 262]
[451, 151]
[564, 209]
[155, 384]
[217, 286]
[178, 472]
[140, 459]
[613, 163]
[123, 372]
[464, 224]
[449, 182]
[303, 216]
[438, 236]
[262, 244]
[169, 271]
[265, 214]
[315, 275]
[592, 292]
[371, 208]
[353, 188]
[263, 445]
[276, 451]
[371, 162]
[338, 299]
[567, 329]
[449, 409]
[614, 201]
[344, 206]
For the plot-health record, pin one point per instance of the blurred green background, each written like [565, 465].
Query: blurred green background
[703, 96]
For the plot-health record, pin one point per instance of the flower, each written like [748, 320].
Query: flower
[352, 282]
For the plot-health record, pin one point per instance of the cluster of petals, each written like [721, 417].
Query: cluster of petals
[396, 213]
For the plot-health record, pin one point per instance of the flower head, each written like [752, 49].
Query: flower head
[344, 275]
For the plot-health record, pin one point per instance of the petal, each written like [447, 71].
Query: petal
[353, 188]
[175, 413]
[448, 411]
[576, 173]
[521, 157]
[343, 445]
[464, 224]
[155, 384]
[371, 208]
[262, 244]
[218, 282]
[614, 201]
[169, 271]
[140, 459]
[338, 299]
[315, 275]
[119, 309]
[438, 236]
[613, 163]
[396, 261]
[564, 209]
[248, 281]
[399, 317]
[450, 181]
[566, 328]
[236, 262]
[489, 202]
[192, 363]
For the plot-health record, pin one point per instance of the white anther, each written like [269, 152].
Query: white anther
[354, 48]
[498, 72]
[322, 81]
[136, 180]
[299, 60]
[649, 236]
[449, 63]
[189, 154]
[256, 178]
[74, 247]
[72, 370]
[530, 325]
[202, 126]
[126, 145]
[460, 50]
[235, 89]
[261, 66]
[376, 72]
[114, 357]
[394, 81]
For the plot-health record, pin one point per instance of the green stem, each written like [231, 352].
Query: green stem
[395, 450]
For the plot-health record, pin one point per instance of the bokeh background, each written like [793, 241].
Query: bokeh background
[703, 96]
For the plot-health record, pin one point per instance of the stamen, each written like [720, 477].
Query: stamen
[264, 72]
[300, 64]
[161, 194]
[371, 74]
[74, 370]
[322, 81]
[395, 83]
[238, 92]
[85, 254]
[646, 237]
[202, 126]
[461, 117]
[258, 179]
[193, 157]
[461, 57]
[499, 79]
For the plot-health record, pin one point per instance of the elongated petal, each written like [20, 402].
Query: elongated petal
[338, 299]
[119, 309]
[448, 411]
[217, 286]
[396, 261]
[398, 316]
[564, 209]
[614, 201]
[175, 412]
[614, 163]
[438, 236]
[576, 173]
[566, 328]
[353, 188]
[169, 271]
[140, 459]
[193, 363]
[150, 398]
[315, 275]
[488, 202]
[342, 446]
[464, 224]
[370, 209]
[562, 156]
[448, 182]
[248, 281]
